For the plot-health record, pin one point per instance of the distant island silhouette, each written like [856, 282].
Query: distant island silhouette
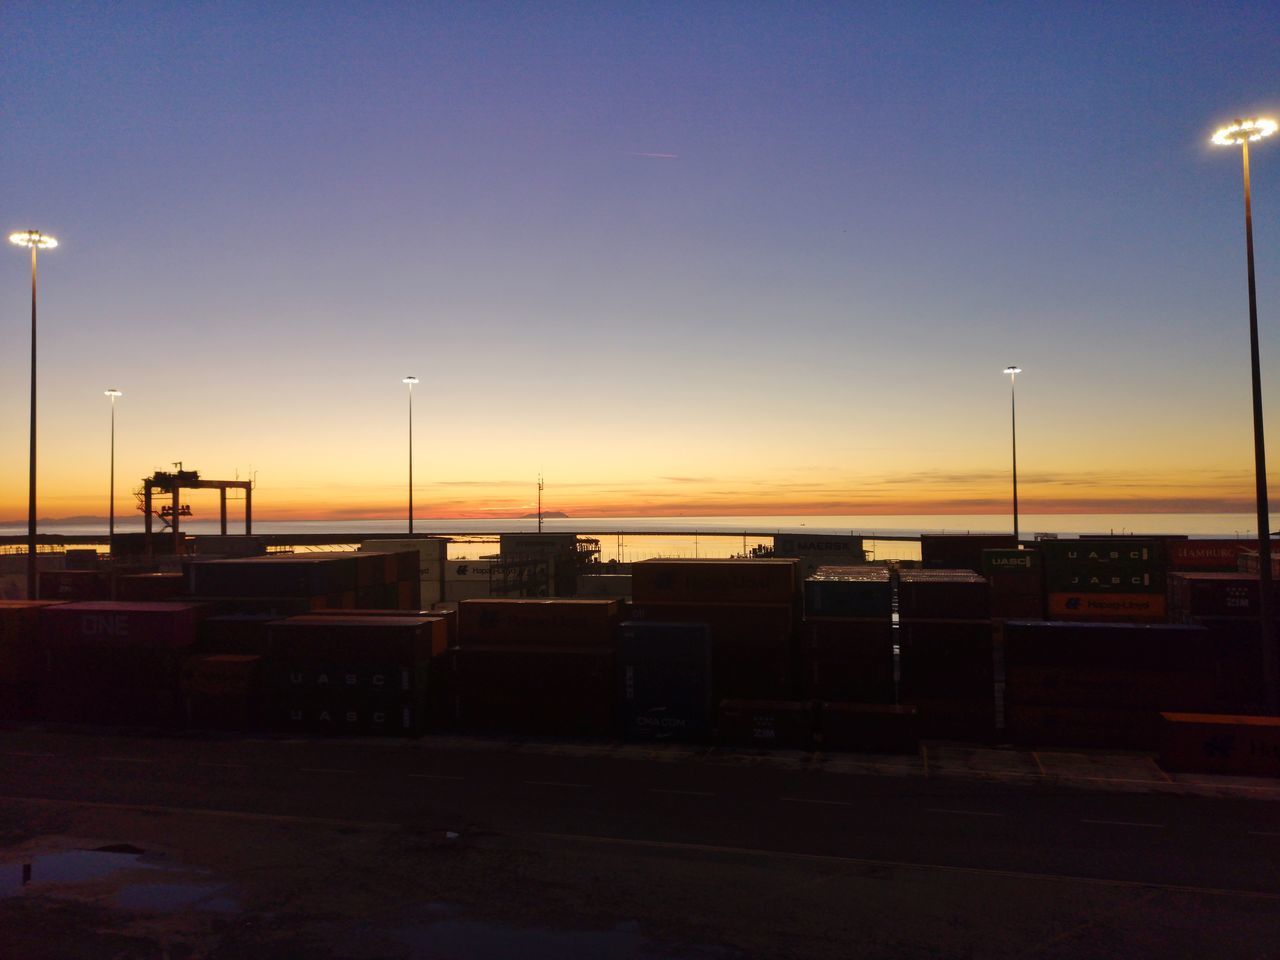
[546, 515]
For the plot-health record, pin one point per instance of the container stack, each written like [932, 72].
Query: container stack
[1016, 578]
[1102, 684]
[432, 557]
[849, 635]
[665, 680]
[533, 666]
[114, 662]
[1227, 605]
[20, 658]
[947, 668]
[221, 691]
[1106, 580]
[143, 587]
[751, 608]
[351, 675]
[768, 724]
[325, 580]
[961, 551]
[73, 585]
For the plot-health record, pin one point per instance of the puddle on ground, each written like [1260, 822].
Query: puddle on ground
[66, 866]
[37, 872]
[170, 897]
[490, 941]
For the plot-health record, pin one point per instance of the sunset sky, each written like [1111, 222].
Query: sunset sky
[701, 258]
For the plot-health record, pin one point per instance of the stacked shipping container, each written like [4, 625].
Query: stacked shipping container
[1106, 579]
[946, 652]
[354, 675]
[1101, 684]
[535, 666]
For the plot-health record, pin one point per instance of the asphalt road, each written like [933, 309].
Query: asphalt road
[736, 855]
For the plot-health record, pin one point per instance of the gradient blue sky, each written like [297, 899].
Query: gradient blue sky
[271, 213]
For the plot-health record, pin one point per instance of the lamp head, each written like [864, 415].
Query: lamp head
[33, 238]
[410, 380]
[1244, 131]
[1011, 370]
[112, 393]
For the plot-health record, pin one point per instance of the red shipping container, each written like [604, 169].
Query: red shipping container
[715, 581]
[943, 595]
[71, 585]
[439, 639]
[356, 640]
[1106, 727]
[537, 623]
[1216, 743]
[20, 640]
[1208, 555]
[141, 587]
[234, 676]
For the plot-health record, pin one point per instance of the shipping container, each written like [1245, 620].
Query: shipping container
[1101, 727]
[968, 718]
[946, 659]
[776, 724]
[74, 585]
[1222, 744]
[1105, 565]
[943, 595]
[149, 586]
[1105, 607]
[961, 551]
[1119, 687]
[367, 641]
[1107, 645]
[665, 680]
[277, 575]
[349, 716]
[1208, 555]
[536, 690]
[535, 622]
[715, 581]
[754, 655]
[849, 592]
[1195, 595]
[870, 728]
[1017, 562]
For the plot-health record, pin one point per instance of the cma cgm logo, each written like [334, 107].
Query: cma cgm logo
[104, 625]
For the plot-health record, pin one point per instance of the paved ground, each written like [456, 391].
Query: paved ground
[469, 847]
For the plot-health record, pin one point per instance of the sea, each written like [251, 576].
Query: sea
[627, 539]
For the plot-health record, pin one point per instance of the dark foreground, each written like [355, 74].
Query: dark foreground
[471, 848]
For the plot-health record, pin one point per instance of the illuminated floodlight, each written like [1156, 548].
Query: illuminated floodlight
[112, 393]
[1012, 370]
[33, 238]
[1244, 131]
[410, 380]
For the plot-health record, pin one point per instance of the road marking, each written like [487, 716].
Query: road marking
[1039, 766]
[964, 813]
[323, 770]
[834, 803]
[683, 793]
[435, 776]
[29, 754]
[127, 759]
[205, 812]
[908, 865]
[1263, 833]
[553, 783]
[1124, 823]
[924, 754]
[226, 766]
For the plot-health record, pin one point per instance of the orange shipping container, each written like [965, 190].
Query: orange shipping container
[1106, 607]
[1213, 743]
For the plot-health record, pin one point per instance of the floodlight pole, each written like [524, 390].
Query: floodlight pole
[1270, 668]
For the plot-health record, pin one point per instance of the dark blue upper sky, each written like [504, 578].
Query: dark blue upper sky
[838, 200]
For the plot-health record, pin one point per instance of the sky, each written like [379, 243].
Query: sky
[702, 258]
